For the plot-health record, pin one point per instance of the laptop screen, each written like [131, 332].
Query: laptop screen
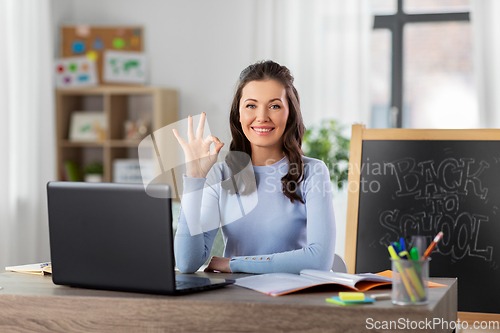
[111, 236]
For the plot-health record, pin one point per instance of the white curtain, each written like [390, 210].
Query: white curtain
[26, 130]
[326, 44]
[486, 42]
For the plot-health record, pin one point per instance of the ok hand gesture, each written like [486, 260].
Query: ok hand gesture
[199, 159]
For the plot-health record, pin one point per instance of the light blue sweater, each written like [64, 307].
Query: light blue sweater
[263, 232]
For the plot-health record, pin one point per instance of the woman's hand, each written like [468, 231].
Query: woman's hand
[219, 264]
[199, 159]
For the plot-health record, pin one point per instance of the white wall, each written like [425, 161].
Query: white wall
[60, 10]
[196, 46]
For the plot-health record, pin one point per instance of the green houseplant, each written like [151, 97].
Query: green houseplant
[94, 172]
[326, 142]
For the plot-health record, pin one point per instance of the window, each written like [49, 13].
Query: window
[422, 73]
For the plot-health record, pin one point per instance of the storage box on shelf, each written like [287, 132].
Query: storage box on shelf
[157, 106]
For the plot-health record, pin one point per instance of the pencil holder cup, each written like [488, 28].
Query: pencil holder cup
[410, 281]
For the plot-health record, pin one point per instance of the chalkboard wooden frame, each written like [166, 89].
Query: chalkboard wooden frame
[359, 134]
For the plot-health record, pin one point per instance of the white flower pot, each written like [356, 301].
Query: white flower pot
[93, 178]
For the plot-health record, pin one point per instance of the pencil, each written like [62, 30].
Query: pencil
[431, 247]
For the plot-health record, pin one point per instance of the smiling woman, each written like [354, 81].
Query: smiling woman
[268, 82]
[273, 203]
[263, 116]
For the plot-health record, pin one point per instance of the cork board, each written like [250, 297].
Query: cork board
[92, 41]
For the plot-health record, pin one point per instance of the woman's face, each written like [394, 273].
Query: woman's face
[264, 113]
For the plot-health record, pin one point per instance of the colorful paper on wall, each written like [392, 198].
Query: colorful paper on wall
[124, 67]
[75, 72]
[78, 47]
[82, 30]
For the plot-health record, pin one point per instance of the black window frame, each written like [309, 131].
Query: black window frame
[396, 23]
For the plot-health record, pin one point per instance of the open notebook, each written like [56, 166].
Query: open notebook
[277, 284]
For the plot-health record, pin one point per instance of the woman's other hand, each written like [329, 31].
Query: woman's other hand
[199, 159]
[219, 264]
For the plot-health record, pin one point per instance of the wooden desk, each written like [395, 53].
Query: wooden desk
[34, 304]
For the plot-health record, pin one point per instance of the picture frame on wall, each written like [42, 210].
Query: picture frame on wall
[125, 67]
[88, 126]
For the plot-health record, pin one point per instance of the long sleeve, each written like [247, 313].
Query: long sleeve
[320, 249]
[199, 221]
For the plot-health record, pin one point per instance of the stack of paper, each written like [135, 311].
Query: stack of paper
[35, 269]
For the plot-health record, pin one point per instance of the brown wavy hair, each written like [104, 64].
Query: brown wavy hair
[292, 137]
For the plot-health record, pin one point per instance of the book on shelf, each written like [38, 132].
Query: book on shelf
[130, 170]
[71, 171]
[34, 269]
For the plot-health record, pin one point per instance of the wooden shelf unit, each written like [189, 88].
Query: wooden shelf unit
[119, 103]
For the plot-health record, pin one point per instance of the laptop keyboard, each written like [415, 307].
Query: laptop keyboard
[182, 284]
[188, 284]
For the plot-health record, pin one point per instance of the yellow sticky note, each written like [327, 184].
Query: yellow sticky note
[345, 296]
[92, 55]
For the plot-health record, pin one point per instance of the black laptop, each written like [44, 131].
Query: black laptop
[116, 237]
